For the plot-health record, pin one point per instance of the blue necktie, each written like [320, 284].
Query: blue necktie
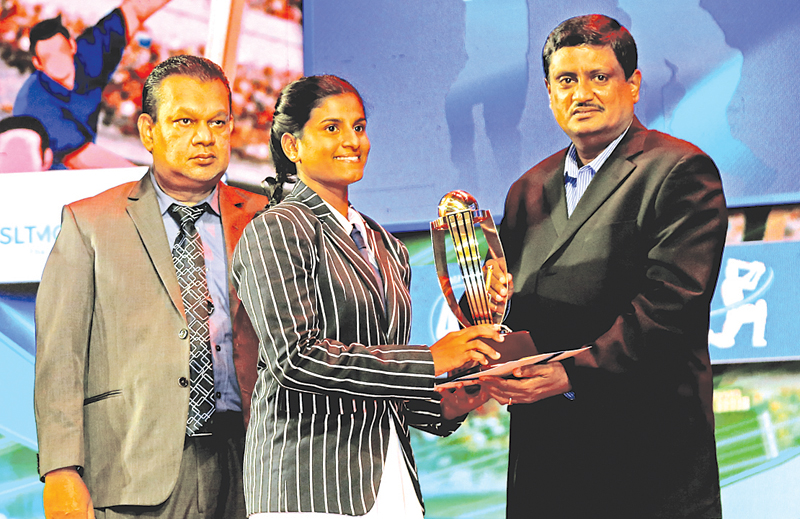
[355, 234]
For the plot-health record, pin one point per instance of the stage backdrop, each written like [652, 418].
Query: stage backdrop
[456, 96]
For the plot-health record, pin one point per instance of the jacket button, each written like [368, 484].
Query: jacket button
[183, 333]
[183, 381]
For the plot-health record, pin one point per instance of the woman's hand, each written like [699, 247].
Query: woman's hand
[463, 346]
[461, 399]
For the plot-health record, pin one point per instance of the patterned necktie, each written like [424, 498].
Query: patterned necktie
[187, 254]
[355, 234]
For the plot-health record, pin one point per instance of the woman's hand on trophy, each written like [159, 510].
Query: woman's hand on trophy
[499, 284]
[464, 346]
[462, 398]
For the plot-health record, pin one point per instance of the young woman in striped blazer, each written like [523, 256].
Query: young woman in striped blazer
[338, 385]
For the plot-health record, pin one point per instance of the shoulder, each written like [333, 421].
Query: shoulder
[538, 175]
[115, 197]
[290, 217]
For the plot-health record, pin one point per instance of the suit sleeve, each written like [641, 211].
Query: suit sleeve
[63, 321]
[278, 269]
[665, 325]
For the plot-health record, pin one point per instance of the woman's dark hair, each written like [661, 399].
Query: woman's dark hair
[592, 29]
[292, 112]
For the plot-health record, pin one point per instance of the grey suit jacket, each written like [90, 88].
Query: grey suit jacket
[334, 365]
[632, 273]
[112, 344]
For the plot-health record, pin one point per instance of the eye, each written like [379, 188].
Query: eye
[566, 80]
[601, 77]
[360, 128]
[184, 121]
[218, 123]
[331, 128]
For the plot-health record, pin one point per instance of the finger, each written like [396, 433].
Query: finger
[483, 350]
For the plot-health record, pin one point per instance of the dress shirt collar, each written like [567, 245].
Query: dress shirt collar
[164, 200]
[571, 167]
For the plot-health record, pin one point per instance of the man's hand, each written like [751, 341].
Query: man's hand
[458, 400]
[499, 285]
[65, 495]
[462, 347]
[530, 384]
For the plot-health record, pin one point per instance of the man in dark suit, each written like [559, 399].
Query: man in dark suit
[114, 391]
[614, 243]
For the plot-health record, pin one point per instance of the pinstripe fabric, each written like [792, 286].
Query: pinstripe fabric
[334, 366]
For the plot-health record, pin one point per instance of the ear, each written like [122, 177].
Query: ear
[145, 124]
[290, 149]
[37, 63]
[635, 83]
[47, 159]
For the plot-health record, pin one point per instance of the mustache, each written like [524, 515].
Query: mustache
[588, 105]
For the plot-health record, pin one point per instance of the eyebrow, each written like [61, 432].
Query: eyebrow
[181, 112]
[337, 120]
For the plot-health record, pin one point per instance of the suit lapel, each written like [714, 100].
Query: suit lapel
[605, 183]
[144, 211]
[341, 240]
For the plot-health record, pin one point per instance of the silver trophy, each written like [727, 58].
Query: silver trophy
[459, 214]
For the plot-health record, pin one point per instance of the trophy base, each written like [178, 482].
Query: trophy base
[515, 346]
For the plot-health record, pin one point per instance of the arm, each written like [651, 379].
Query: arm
[90, 156]
[277, 271]
[63, 316]
[660, 331]
[136, 12]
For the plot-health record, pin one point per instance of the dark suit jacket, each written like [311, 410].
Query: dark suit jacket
[334, 365]
[112, 347]
[632, 273]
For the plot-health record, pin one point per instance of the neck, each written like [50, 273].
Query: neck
[67, 82]
[184, 195]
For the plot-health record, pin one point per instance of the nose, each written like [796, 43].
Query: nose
[583, 91]
[203, 135]
[351, 138]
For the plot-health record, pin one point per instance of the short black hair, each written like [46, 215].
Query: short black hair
[45, 30]
[26, 122]
[592, 29]
[195, 67]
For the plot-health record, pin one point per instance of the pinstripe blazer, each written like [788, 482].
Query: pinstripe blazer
[334, 366]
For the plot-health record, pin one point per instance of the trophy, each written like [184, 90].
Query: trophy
[459, 213]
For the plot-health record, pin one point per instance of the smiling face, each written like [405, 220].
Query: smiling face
[590, 97]
[191, 139]
[332, 151]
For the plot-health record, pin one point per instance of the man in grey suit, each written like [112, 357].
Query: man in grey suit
[116, 430]
[614, 243]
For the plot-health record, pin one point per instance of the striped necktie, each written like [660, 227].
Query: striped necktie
[576, 186]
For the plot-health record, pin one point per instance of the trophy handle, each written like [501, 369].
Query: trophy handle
[440, 261]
